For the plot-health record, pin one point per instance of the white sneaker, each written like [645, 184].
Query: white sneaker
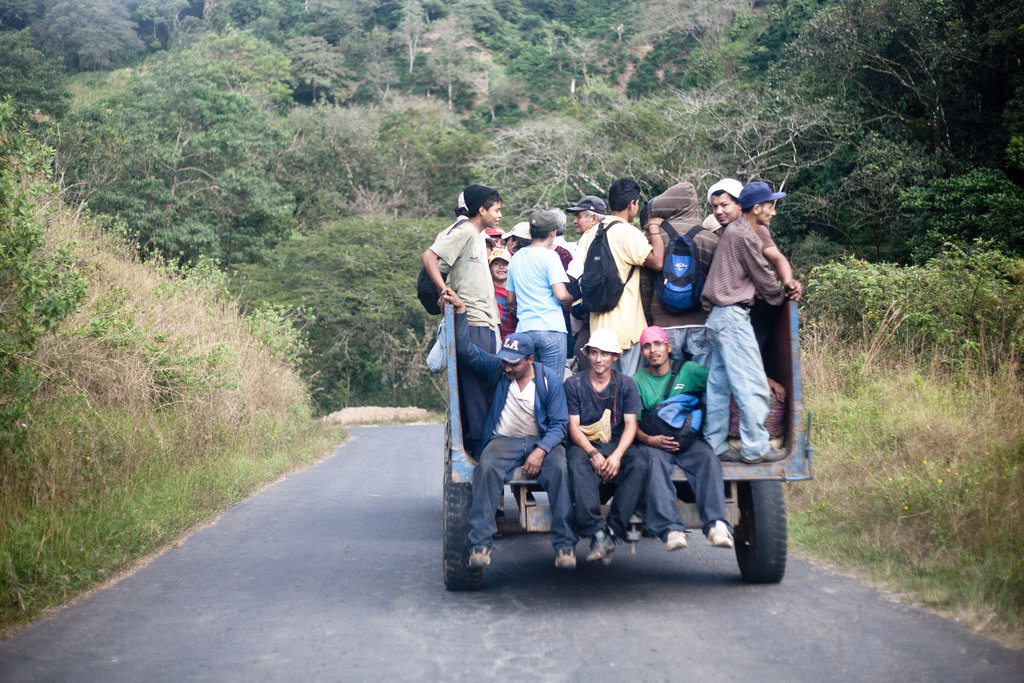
[719, 536]
[676, 540]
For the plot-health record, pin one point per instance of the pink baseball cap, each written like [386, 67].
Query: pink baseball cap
[653, 334]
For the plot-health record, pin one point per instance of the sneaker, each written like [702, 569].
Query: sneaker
[480, 557]
[719, 536]
[676, 540]
[565, 558]
[601, 545]
[774, 455]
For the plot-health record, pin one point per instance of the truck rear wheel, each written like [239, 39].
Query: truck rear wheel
[761, 533]
[458, 575]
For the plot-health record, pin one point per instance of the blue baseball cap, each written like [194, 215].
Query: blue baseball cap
[516, 347]
[757, 193]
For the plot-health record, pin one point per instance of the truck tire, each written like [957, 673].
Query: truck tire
[761, 533]
[458, 575]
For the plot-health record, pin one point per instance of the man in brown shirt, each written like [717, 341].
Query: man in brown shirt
[739, 275]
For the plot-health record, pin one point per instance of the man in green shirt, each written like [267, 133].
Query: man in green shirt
[703, 470]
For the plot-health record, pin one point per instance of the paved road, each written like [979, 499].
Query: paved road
[334, 574]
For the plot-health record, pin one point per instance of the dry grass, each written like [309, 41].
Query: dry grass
[374, 415]
[918, 478]
[159, 407]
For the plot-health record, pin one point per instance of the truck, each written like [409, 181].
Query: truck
[755, 504]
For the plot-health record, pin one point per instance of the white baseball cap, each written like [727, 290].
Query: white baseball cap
[731, 186]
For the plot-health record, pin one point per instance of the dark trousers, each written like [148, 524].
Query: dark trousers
[585, 484]
[499, 459]
[704, 473]
[473, 395]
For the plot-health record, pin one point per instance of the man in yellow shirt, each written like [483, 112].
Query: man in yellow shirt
[631, 250]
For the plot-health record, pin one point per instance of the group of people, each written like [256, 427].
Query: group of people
[581, 437]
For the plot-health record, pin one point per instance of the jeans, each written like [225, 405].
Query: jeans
[629, 362]
[736, 368]
[500, 457]
[704, 473]
[473, 395]
[692, 342]
[549, 349]
[630, 484]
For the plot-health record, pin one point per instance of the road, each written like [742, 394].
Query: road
[334, 574]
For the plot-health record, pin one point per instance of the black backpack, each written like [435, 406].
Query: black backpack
[600, 285]
[681, 281]
[426, 290]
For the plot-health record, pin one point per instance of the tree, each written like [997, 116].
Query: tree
[190, 155]
[703, 21]
[19, 14]
[368, 336]
[90, 34]
[164, 15]
[411, 28]
[980, 204]
[898, 59]
[39, 283]
[36, 82]
[316, 67]
[447, 60]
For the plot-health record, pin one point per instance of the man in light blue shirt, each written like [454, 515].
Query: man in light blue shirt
[536, 282]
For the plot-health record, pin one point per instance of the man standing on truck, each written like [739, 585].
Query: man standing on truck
[603, 404]
[588, 212]
[460, 252]
[678, 206]
[739, 275]
[536, 284]
[525, 427]
[703, 470]
[724, 199]
[631, 252]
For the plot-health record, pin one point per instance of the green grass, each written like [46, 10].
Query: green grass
[89, 504]
[919, 481]
[160, 405]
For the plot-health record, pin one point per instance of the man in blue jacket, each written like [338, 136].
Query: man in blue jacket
[525, 426]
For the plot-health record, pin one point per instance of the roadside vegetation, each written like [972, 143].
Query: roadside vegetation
[914, 378]
[137, 401]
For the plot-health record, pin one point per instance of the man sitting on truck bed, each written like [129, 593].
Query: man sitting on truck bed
[603, 404]
[525, 426]
[703, 470]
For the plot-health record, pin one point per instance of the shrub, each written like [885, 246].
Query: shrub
[39, 283]
[963, 304]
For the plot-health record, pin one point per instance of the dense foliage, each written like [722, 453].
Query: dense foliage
[40, 283]
[244, 131]
[365, 329]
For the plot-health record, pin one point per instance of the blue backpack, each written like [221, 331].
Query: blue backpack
[682, 280]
